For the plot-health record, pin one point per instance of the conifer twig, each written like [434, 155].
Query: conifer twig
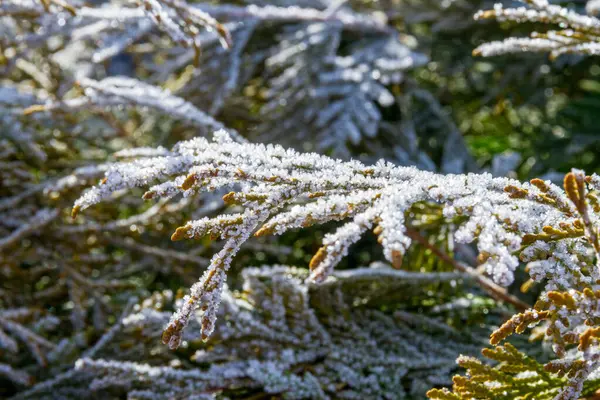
[495, 291]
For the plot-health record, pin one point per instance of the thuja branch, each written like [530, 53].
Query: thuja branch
[277, 190]
[575, 33]
[349, 20]
[566, 255]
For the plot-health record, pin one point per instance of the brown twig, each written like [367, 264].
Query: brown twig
[495, 291]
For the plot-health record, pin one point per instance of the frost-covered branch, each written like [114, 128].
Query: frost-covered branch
[276, 190]
[286, 339]
[273, 180]
[578, 34]
[567, 257]
[122, 91]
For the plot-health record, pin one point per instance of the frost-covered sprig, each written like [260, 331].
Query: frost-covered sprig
[79, 274]
[339, 98]
[515, 376]
[122, 91]
[281, 189]
[26, 7]
[13, 330]
[40, 219]
[578, 34]
[566, 257]
[13, 375]
[289, 63]
[286, 339]
[181, 22]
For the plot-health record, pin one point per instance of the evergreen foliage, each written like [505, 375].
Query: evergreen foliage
[318, 122]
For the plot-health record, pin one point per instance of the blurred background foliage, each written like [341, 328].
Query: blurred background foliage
[544, 110]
